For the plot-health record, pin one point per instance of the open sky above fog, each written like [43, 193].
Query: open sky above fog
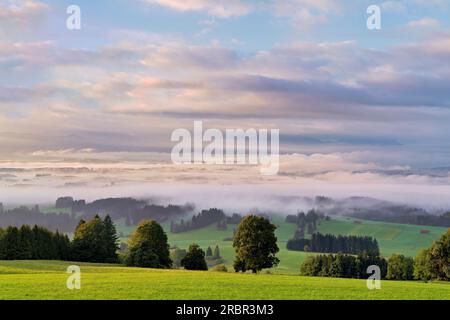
[352, 105]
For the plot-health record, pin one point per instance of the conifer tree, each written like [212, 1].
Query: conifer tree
[110, 240]
[216, 254]
[209, 253]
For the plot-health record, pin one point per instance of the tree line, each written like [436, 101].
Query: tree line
[93, 241]
[342, 265]
[33, 243]
[328, 243]
[420, 218]
[397, 267]
[430, 264]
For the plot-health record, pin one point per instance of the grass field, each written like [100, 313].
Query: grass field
[392, 238]
[47, 280]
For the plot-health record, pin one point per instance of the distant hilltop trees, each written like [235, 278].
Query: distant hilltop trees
[206, 218]
[201, 220]
[33, 216]
[70, 203]
[306, 223]
[421, 219]
[325, 243]
[130, 209]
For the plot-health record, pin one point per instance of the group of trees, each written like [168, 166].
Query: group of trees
[328, 243]
[37, 243]
[95, 241]
[306, 223]
[69, 203]
[255, 244]
[131, 210]
[430, 264]
[342, 265]
[434, 262]
[213, 255]
[148, 248]
[157, 213]
[400, 268]
[201, 220]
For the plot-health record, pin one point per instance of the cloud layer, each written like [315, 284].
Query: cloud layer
[349, 113]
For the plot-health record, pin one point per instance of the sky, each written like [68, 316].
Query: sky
[360, 112]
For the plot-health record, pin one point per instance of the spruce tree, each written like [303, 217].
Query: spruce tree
[209, 253]
[110, 240]
[25, 243]
[12, 243]
[216, 254]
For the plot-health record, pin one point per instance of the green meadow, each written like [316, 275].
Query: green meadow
[47, 280]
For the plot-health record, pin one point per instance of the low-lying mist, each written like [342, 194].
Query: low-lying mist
[282, 199]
